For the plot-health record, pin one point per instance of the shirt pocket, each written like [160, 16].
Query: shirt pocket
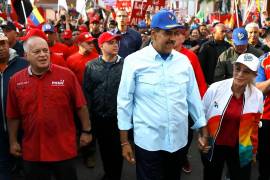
[147, 85]
[177, 86]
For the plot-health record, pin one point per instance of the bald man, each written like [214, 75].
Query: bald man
[210, 51]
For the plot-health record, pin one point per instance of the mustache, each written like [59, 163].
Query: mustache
[171, 42]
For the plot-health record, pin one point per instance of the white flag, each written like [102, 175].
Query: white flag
[63, 4]
[80, 7]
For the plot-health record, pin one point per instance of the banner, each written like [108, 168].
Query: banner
[123, 4]
[63, 4]
[138, 11]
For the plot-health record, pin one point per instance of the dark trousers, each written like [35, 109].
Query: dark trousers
[6, 161]
[108, 138]
[264, 150]
[62, 170]
[5, 170]
[229, 155]
[190, 137]
[158, 165]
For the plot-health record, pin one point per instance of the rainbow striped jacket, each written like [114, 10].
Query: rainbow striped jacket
[215, 102]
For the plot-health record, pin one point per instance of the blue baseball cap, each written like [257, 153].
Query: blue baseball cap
[48, 28]
[164, 19]
[240, 36]
[142, 24]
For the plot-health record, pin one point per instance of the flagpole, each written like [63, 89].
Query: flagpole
[24, 13]
[80, 13]
[236, 11]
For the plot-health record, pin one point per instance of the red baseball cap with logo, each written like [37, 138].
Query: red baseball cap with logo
[94, 19]
[34, 32]
[67, 34]
[83, 28]
[84, 37]
[107, 36]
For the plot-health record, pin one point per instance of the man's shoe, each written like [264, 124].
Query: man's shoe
[187, 168]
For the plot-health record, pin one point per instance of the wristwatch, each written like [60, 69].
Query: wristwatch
[87, 132]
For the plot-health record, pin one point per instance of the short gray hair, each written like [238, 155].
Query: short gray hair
[29, 42]
[251, 25]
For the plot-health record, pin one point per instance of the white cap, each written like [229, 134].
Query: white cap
[248, 59]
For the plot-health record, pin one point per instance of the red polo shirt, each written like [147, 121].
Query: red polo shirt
[60, 49]
[73, 49]
[45, 105]
[58, 60]
[77, 63]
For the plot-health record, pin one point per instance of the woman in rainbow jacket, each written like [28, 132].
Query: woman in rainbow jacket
[233, 109]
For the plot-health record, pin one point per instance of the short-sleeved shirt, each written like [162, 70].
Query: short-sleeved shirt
[45, 105]
[77, 63]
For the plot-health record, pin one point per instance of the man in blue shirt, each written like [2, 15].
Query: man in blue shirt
[157, 91]
[131, 40]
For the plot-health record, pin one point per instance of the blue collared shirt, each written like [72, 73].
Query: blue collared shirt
[155, 97]
[130, 42]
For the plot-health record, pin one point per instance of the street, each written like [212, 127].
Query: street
[129, 170]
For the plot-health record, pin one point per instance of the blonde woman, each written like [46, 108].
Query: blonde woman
[233, 108]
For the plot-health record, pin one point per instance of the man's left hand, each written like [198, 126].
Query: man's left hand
[85, 139]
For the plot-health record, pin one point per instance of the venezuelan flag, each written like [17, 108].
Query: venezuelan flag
[36, 17]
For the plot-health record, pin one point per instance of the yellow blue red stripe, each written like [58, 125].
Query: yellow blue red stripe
[36, 17]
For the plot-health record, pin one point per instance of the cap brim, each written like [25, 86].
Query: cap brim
[241, 43]
[117, 37]
[89, 39]
[248, 66]
[168, 27]
[23, 38]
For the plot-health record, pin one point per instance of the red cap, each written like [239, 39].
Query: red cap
[67, 34]
[83, 28]
[94, 19]
[107, 36]
[84, 37]
[34, 32]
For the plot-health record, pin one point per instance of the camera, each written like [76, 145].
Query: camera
[63, 17]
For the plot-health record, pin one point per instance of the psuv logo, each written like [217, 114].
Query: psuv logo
[58, 83]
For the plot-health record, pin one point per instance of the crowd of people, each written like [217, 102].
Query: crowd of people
[138, 92]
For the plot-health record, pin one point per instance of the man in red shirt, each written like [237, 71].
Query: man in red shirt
[42, 99]
[77, 62]
[193, 58]
[68, 40]
[55, 47]
[55, 59]
[200, 81]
